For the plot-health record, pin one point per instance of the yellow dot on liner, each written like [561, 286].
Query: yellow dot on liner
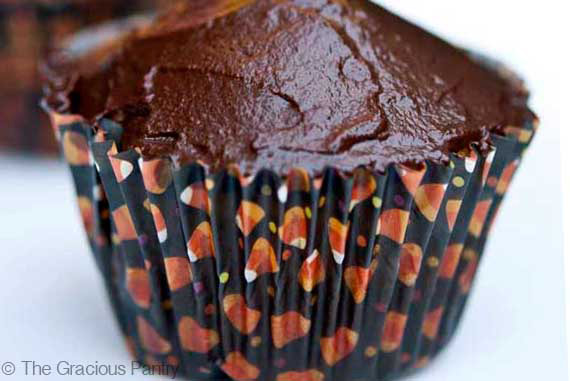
[463, 153]
[432, 262]
[377, 202]
[525, 136]
[115, 239]
[308, 212]
[458, 181]
[266, 190]
[172, 360]
[224, 277]
[272, 227]
[322, 201]
[255, 341]
[451, 165]
[469, 254]
[209, 184]
[370, 351]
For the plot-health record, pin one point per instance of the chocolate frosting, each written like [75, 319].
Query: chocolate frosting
[291, 83]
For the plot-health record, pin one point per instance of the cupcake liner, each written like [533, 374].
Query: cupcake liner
[335, 277]
[28, 30]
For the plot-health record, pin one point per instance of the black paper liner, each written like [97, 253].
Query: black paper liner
[337, 277]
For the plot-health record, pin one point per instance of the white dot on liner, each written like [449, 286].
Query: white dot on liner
[162, 235]
[282, 193]
[97, 194]
[338, 257]
[192, 256]
[126, 169]
[186, 195]
[491, 156]
[470, 165]
[250, 275]
[313, 256]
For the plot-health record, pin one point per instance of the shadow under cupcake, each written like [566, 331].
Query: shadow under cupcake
[287, 190]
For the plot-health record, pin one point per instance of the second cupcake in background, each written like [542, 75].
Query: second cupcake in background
[28, 31]
[287, 190]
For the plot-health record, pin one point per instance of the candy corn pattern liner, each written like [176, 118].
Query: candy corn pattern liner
[337, 277]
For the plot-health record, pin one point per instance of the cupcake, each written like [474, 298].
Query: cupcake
[291, 190]
[28, 29]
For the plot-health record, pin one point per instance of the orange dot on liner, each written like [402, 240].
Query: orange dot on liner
[406, 357]
[422, 362]
[287, 254]
[101, 240]
[271, 291]
[492, 181]
[172, 360]
[210, 309]
[361, 241]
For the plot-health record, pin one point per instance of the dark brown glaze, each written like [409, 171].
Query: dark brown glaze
[282, 84]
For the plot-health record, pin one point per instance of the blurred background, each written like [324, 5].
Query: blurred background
[29, 29]
[53, 302]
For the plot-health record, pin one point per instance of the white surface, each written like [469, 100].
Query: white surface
[566, 226]
[54, 308]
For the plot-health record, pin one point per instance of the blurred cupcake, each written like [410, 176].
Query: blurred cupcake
[28, 29]
[287, 190]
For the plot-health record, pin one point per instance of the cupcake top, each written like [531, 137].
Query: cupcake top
[290, 83]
